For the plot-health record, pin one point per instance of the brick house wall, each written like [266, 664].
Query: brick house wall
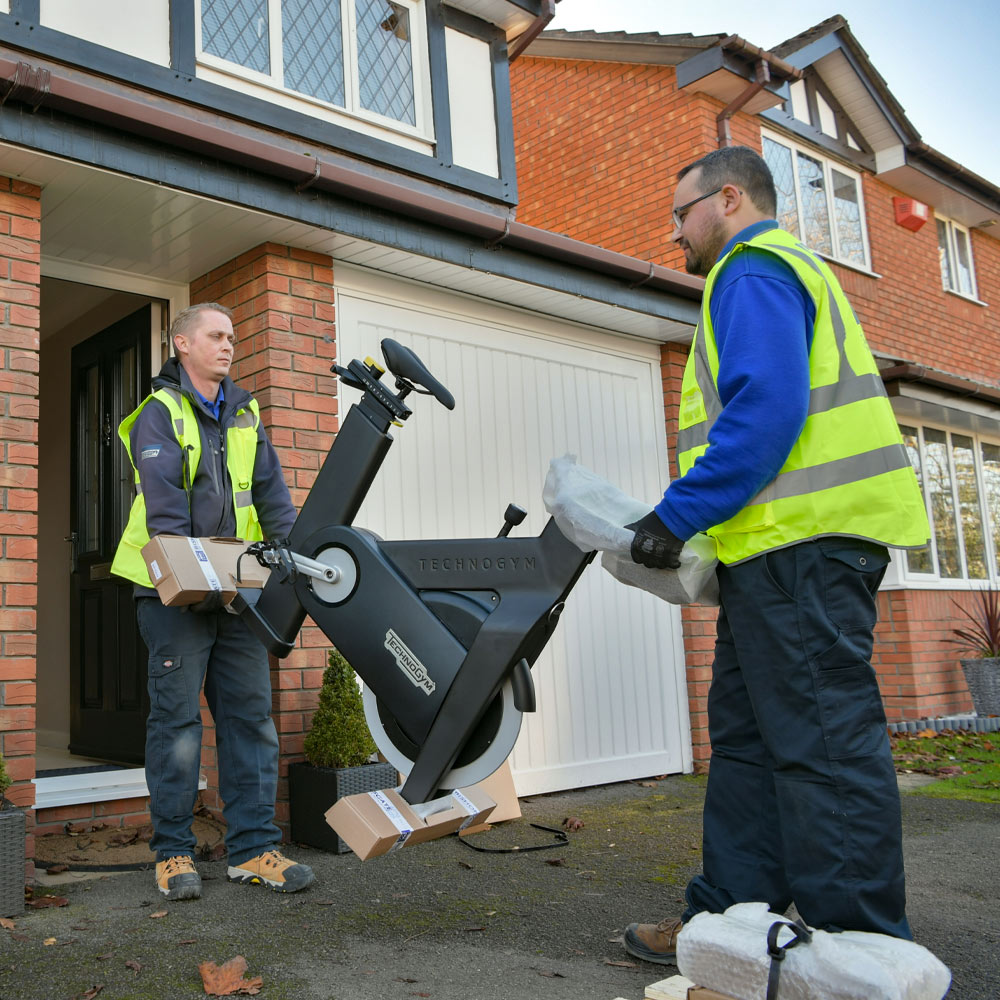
[282, 301]
[20, 274]
[609, 179]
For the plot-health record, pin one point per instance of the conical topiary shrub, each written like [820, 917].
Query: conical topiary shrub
[339, 736]
[338, 747]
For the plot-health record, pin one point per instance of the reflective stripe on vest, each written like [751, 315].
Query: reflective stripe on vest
[241, 450]
[848, 472]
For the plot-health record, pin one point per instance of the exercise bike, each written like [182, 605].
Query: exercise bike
[442, 632]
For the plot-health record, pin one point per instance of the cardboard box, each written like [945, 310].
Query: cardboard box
[375, 823]
[681, 988]
[186, 570]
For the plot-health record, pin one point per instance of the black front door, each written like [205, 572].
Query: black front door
[108, 669]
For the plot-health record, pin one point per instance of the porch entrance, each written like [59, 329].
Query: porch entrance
[109, 702]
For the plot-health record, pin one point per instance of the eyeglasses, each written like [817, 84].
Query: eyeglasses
[680, 213]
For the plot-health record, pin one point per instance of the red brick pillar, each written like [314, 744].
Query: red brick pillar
[20, 235]
[282, 300]
[698, 623]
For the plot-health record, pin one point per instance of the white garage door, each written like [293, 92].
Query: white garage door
[611, 693]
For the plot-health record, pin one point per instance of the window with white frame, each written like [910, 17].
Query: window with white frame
[955, 254]
[362, 56]
[819, 200]
[959, 474]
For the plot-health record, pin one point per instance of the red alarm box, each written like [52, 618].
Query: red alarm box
[910, 213]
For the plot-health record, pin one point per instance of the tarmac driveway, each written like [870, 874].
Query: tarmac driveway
[444, 921]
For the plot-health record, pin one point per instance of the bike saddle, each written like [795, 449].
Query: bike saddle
[404, 364]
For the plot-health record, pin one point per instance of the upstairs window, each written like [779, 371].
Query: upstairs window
[955, 254]
[819, 201]
[357, 55]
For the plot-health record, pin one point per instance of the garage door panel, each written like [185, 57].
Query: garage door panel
[611, 693]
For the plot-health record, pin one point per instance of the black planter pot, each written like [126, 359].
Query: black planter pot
[312, 790]
[11, 862]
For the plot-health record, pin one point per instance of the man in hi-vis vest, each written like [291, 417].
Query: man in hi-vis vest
[790, 457]
[204, 466]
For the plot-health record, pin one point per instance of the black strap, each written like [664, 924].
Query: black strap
[560, 838]
[800, 934]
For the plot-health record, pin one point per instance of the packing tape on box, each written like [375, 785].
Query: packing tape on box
[466, 806]
[206, 564]
[395, 817]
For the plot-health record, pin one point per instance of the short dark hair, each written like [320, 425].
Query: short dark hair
[741, 166]
[186, 317]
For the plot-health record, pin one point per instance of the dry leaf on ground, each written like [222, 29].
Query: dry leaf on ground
[6, 923]
[572, 823]
[227, 979]
[158, 914]
[133, 964]
[620, 964]
[40, 902]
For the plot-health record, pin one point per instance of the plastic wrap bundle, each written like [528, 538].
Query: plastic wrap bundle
[592, 513]
[727, 952]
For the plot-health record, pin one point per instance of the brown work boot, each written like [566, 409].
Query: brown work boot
[272, 869]
[177, 878]
[654, 942]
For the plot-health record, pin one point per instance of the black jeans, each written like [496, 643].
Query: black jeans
[802, 803]
[187, 650]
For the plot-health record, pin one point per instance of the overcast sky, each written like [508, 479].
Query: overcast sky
[934, 56]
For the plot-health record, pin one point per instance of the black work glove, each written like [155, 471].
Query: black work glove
[654, 544]
[208, 604]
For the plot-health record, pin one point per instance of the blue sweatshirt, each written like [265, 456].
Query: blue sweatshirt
[763, 321]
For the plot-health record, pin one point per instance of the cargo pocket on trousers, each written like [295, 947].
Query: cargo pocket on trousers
[168, 695]
[853, 569]
[850, 704]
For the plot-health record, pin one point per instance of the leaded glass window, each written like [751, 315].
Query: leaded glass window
[818, 201]
[355, 55]
[385, 59]
[779, 159]
[312, 41]
[237, 31]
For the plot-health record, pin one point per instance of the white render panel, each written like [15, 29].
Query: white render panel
[138, 29]
[470, 95]
[612, 699]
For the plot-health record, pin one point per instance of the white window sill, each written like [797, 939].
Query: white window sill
[867, 272]
[926, 583]
[965, 298]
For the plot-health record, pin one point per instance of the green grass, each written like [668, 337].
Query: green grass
[967, 765]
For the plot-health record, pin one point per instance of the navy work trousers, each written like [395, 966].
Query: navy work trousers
[802, 803]
[186, 651]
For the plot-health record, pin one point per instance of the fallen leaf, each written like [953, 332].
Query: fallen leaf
[465, 864]
[91, 993]
[133, 964]
[41, 902]
[403, 979]
[648, 784]
[491, 913]
[56, 869]
[572, 823]
[227, 979]
[551, 975]
[49, 941]
[926, 734]
[555, 862]
[158, 914]
[621, 964]
[103, 958]
[469, 930]
[6, 923]
[124, 838]
[949, 770]
[19, 937]
[188, 941]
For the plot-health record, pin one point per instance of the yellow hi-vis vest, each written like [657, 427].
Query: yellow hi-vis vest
[848, 473]
[241, 449]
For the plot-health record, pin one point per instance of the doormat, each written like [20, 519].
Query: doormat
[59, 772]
[102, 847]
